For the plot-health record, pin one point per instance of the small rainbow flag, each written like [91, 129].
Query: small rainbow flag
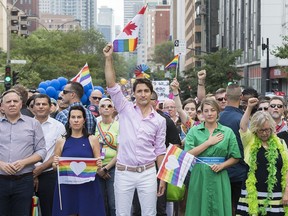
[127, 40]
[83, 77]
[173, 63]
[175, 166]
[72, 170]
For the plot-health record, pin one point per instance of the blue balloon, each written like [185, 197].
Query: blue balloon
[62, 88]
[48, 82]
[87, 87]
[84, 99]
[41, 90]
[56, 84]
[58, 92]
[100, 88]
[43, 85]
[88, 93]
[51, 92]
[104, 96]
[62, 80]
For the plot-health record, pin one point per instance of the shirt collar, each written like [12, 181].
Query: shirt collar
[219, 127]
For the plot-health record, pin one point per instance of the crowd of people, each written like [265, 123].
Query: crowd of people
[238, 137]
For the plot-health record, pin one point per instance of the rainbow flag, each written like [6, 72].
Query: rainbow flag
[173, 63]
[175, 166]
[83, 77]
[127, 40]
[72, 170]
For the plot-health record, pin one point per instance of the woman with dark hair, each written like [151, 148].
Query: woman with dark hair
[78, 199]
[216, 146]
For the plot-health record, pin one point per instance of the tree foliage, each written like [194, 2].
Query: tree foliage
[164, 53]
[282, 51]
[51, 54]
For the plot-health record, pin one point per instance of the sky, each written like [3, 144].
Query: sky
[118, 8]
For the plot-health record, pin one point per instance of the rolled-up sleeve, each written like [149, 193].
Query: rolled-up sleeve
[118, 98]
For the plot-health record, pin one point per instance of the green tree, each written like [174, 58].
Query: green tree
[164, 53]
[51, 54]
[282, 51]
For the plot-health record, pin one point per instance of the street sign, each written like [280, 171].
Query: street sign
[18, 61]
[179, 47]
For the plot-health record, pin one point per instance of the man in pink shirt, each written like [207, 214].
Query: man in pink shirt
[141, 143]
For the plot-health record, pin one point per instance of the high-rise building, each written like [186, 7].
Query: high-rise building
[86, 11]
[106, 23]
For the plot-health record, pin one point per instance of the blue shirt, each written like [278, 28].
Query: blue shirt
[90, 119]
[231, 117]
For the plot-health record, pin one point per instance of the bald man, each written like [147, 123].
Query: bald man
[95, 97]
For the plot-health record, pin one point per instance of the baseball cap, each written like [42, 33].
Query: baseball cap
[94, 110]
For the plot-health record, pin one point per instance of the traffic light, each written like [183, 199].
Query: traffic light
[23, 25]
[15, 77]
[14, 22]
[7, 78]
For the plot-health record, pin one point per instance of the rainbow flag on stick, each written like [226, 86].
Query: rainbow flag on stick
[127, 40]
[83, 77]
[173, 63]
[74, 170]
[175, 166]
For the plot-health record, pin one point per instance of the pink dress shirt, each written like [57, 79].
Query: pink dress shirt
[140, 139]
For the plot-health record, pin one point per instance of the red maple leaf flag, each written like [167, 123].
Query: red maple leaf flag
[127, 40]
[129, 28]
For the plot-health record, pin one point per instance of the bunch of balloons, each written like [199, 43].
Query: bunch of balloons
[53, 87]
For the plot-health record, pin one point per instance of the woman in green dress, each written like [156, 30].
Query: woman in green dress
[216, 146]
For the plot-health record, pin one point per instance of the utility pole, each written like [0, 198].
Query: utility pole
[266, 76]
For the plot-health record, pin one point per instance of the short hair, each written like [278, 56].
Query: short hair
[250, 91]
[187, 101]
[278, 98]
[43, 96]
[211, 102]
[233, 92]
[258, 120]
[220, 91]
[22, 91]
[10, 91]
[168, 100]
[145, 81]
[77, 88]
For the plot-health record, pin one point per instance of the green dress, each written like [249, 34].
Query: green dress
[209, 193]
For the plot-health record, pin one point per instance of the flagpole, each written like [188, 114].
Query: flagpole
[59, 191]
[203, 162]
[177, 66]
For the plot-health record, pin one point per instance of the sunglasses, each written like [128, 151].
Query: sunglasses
[262, 108]
[279, 106]
[59, 98]
[66, 92]
[222, 99]
[199, 111]
[106, 106]
[97, 98]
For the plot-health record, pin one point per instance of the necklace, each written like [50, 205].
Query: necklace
[271, 155]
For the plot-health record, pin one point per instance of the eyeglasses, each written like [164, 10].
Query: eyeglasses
[59, 98]
[66, 92]
[106, 106]
[262, 108]
[199, 111]
[267, 130]
[170, 107]
[279, 106]
[222, 99]
[97, 98]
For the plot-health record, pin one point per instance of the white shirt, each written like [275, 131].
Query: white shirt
[52, 130]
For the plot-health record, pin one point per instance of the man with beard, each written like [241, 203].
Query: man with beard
[276, 110]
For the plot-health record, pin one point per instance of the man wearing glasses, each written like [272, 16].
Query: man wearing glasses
[95, 97]
[72, 94]
[220, 96]
[276, 110]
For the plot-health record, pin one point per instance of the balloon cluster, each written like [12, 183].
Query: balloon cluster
[53, 87]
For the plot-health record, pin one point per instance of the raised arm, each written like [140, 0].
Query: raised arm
[175, 90]
[245, 118]
[109, 68]
[201, 91]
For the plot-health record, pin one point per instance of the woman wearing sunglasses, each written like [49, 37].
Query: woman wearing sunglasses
[265, 191]
[107, 131]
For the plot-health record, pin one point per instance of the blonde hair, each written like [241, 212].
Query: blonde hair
[211, 102]
[259, 119]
